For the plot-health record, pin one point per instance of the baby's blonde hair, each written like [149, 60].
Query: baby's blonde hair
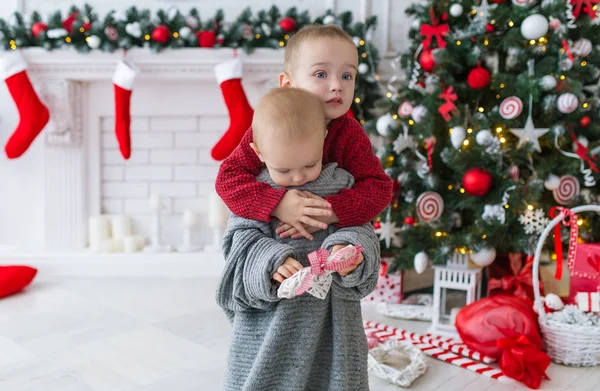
[287, 114]
[312, 32]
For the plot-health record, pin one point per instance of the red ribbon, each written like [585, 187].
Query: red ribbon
[589, 4]
[523, 361]
[430, 145]
[517, 283]
[582, 152]
[448, 108]
[434, 30]
[594, 261]
[384, 267]
[568, 50]
[569, 219]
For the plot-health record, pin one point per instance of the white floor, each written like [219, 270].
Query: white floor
[159, 334]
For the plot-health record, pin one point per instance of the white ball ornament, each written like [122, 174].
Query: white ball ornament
[456, 10]
[582, 47]
[534, 26]
[385, 124]
[567, 103]
[93, 41]
[421, 261]
[185, 32]
[554, 302]
[484, 137]
[457, 136]
[329, 19]
[363, 68]
[134, 29]
[548, 83]
[552, 182]
[484, 257]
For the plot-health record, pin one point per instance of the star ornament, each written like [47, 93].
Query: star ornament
[389, 233]
[482, 11]
[530, 134]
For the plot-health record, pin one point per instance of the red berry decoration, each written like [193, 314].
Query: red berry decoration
[479, 78]
[38, 28]
[287, 24]
[477, 182]
[409, 220]
[426, 60]
[206, 39]
[161, 34]
[585, 121]
[489, 28]
[377, 225]
[87, 25]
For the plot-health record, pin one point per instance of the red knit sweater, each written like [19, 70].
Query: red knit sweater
[346, 143]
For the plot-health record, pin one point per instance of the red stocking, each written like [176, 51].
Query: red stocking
[229, 76]
[33, 115]
[123, 79]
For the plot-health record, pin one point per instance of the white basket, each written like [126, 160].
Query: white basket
[566, 344]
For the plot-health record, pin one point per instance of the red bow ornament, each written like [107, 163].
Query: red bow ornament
[520, 283]
[582, 152]
[429, 31]
[589, 7]
[523, 361]
[448, 108]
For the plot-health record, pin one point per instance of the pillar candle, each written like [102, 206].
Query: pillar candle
[98, 232]
[218, 214]
[121, 226]
[130, 244]
[189, 218]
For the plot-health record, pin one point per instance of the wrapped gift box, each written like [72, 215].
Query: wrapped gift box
[389, 286]
[585, 271]
[588, 301]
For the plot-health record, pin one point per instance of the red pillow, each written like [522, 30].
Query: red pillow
[14, 278]
[483, 323]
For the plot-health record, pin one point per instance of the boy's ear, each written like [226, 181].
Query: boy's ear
[256, 151]
[285, 80]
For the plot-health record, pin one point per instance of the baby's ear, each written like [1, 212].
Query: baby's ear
[256, 151]
[285, 80]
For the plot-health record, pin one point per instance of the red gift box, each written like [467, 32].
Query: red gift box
[585, 271]
[389, 286]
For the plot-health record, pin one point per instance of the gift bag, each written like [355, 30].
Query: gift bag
[585, 270]
[389, 286]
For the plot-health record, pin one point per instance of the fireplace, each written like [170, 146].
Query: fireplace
[178, 114]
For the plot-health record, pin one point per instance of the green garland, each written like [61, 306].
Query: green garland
[85, 31]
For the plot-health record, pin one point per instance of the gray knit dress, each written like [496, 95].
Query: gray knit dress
[302, 343]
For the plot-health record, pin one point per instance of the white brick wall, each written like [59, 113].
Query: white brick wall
[170, 156]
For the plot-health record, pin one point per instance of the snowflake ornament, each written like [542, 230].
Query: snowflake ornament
[389, 233]
[534, 221]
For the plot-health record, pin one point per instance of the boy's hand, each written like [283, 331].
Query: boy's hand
[349, 269]
[286, 230]
[295, 209]
[287, 269]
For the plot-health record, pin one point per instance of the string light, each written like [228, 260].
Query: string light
[543, 40]
[583, 63]
[364, 55]
[462, 190]
[470, 130]
[362, 121]
[498, 129]
[147, 37]
[357, 100]
[553, 256]
[532, 42]
[562, 77]
[579, 222]
[493, 21]
[257, 36]
[502, 85]
[389, 94]
[511, 24]
[362, 42]
[411, 122]
[376, 77]
[530, 207]
[458, 43]
[438, 234]
[286, 37]
[466, 142]
[81, 30]
[585, 105]
[506, 206]
[483, 236]
[502, 140]
[462, 250]
[175, 34]
[481, 109]
[395, 116]
[281, 43]
[450, 187]
[68, 39]
[497, 96]
[486, 42]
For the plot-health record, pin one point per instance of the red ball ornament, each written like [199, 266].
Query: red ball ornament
[38, 28]
[161, 34]
[206, 39]
[87, 26]
[479, 78]
[409, 220]
[287, 24]
[489, 28]
[585, 121]
[477, 182]
[377, 225]
[426, 60]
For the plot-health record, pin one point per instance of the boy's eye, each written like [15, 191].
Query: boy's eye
[283, 171]
[347, 76]
[311, 166]
[321, 75]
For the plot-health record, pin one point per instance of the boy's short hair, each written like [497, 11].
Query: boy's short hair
[289, 112]
[313, 31]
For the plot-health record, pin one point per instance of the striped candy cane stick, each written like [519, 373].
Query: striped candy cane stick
[454, 346]
[384, 332]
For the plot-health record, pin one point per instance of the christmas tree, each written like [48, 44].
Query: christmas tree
[496, 124]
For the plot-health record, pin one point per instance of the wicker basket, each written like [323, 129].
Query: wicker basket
[566, 344]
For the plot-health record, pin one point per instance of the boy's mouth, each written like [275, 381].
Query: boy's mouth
[335, 101]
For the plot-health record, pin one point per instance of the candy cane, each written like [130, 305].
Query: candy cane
[383, 332]
[456, 347]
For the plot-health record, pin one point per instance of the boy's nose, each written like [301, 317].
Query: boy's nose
[336, 85]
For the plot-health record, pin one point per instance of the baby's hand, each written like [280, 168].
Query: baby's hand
[349, 269]
[287, 269]
[295, 209]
